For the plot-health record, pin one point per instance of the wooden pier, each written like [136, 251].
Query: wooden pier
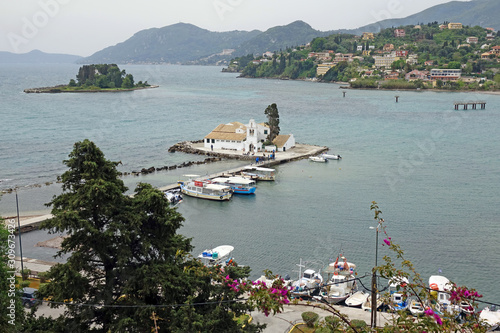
[473, 104]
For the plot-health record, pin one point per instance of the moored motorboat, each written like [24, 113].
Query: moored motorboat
[356, 299]
[341, 282]
[416, 307]
[239, 185]
[440, 287]
[308, 284]
[220, 255]
[259, 172]
[398, 301]
[367, 305]
[173, 196]
[206, 190]
[490, 316]
[331, 156]
[317, 159]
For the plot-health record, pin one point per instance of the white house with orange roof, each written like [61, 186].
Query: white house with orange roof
[244, 137]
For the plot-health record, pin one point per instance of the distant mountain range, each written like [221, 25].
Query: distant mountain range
[185, 43]
[484, 13]
[38, 57]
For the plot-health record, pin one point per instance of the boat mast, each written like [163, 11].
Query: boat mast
[300, 268]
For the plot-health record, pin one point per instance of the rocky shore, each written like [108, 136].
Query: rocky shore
[63, 89]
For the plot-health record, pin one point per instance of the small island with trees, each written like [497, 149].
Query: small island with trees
[97, 78]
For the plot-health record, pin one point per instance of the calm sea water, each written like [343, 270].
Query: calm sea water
[434, 171]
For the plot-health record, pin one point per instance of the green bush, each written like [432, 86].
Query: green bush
[356, 323]
[332, 320]
[310, 318]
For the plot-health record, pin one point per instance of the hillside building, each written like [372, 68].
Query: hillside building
[385, 61]
[446, 74]
[455, 26]
[399, 33]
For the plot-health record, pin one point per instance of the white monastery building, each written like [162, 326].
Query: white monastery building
[245, 138]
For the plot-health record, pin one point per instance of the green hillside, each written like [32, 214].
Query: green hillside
[176, 43]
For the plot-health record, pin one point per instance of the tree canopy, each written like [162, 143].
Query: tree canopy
[273, 121]
[127, 260]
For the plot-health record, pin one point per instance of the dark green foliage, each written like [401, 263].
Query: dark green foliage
[104, 76]
[356, 323]
[335, 72]
[273, 121]
[310, 318]
[364, 83]
[126, 251]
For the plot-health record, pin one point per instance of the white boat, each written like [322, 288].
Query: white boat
[317, 159]
[490, 316]
[173, 196]
[397, 302]
[260, 173]
[239, 185]
[341, 281]
[367, 305]
[206, 190]
[308, 283]
[331, 156]
[440, 286]
[416, 307]
[356, 299]
[220, 255]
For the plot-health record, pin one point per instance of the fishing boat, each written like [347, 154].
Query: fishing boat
[206, 190]
[319, 159]
[218, 256]
[440, 286]
[308, 284]
[398, 301]
[357, 299]
[239, 185]
[341, 282]
[331, 156]
[259, 172]
[416, 307]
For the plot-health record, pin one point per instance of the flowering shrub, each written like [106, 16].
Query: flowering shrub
[271, 299]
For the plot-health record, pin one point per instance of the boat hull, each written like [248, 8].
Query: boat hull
[216, 197]
[250, 190]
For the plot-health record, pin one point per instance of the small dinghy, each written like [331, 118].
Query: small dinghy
[317, 159]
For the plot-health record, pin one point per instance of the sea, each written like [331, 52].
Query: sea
[433, 171]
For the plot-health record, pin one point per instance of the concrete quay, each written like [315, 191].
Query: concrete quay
[300, 151]
[292, 314]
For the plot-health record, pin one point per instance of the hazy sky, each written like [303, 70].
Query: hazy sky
[83, 27]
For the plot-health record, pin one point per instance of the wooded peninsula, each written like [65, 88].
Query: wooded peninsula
[97, 78]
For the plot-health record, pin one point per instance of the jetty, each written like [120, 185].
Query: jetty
[300, 151]
[474, 105]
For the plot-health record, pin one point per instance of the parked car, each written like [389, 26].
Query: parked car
[28, 297]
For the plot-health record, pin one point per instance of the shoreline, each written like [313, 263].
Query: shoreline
[343, 86]
[57, 90]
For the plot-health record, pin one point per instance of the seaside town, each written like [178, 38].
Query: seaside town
[447, 56]
[216, 203]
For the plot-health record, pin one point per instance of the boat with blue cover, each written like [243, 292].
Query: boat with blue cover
[239, 185]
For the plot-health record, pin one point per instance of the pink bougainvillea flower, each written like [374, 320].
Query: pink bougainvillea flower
[429, 312]
[438, 319]
[388, 242]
